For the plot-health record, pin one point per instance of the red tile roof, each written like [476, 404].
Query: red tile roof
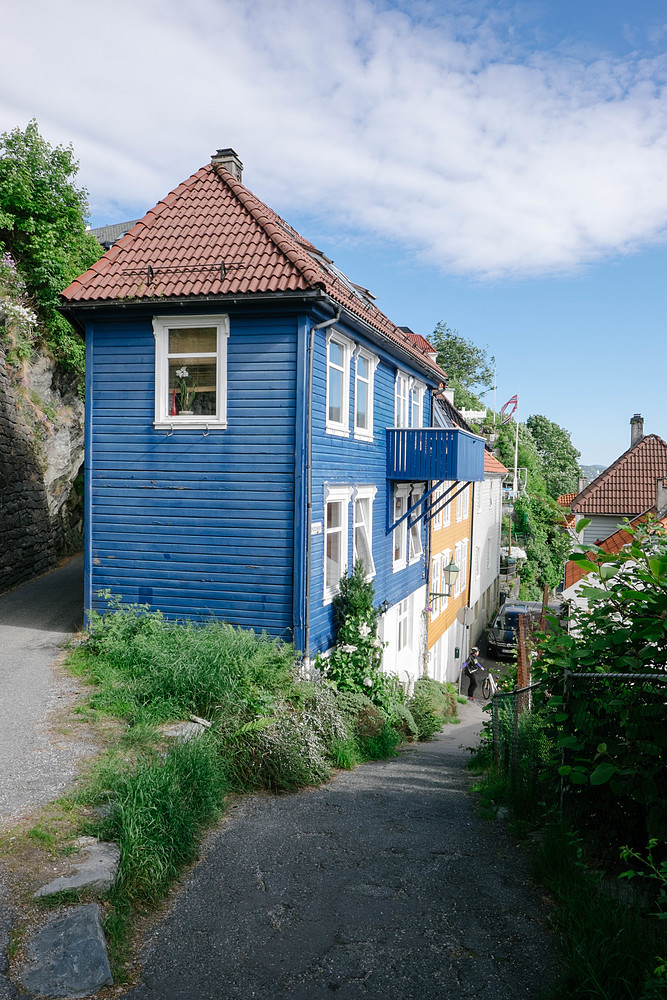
[628, 487]
[177, 249]
[491, 464]
[565, 499]
[422, 343]
[613, 544]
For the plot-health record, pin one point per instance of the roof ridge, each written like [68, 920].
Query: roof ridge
[258, 210]
[607, 473]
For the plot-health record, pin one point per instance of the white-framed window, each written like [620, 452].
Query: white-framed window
[364, 370]
[401, 395]
[190, 371]
[478, 487]
[461, 560]
[477, 563]
[400, 537]
[404, 624]
[336, 504]
[416, 547]
[339, 352]
[446, 559]
[462, 504]
[436, 499]
[446, 511]
[417, 404]
[363, 528]
[436, 585]
[492, 491]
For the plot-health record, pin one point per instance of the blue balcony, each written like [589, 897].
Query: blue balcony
[423, 453]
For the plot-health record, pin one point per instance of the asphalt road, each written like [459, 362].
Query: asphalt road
[35, 620]
[382, 884]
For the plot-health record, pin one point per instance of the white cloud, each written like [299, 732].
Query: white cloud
[432, 131]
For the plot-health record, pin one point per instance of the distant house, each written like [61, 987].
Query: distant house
[626, 489]
[255, 425]
[575, 576]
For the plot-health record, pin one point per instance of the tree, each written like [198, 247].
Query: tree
[558, 454]
[468, 367]
[43, 226]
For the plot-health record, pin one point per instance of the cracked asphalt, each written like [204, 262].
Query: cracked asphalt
[383, 883]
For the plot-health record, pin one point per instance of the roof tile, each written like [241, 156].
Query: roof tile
[628, 486]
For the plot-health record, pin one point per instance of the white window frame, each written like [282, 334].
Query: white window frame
[364, 494]
[457, 560]
[447, 510]
[477, 563]
[461, 560]
[401, 399]
[446, 559]
[336, 494]
[463, 505]
[163, 420]
[436, 585]
[438, 493]
[342, 427]
[404, 624]
[416, 548]
[416, 403]
[400, 534]
[364, 433]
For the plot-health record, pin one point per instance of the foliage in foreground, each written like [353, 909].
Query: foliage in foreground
[604, 739]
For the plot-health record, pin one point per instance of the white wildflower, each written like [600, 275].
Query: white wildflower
[367, 682]
[348, 648]
[182, 372]
[376, 642]
[364, 631]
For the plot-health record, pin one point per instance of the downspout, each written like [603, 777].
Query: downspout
[309, 476]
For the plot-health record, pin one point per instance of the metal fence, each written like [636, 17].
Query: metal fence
[617, 726]
[512, 742]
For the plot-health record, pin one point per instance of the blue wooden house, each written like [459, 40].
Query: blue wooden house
[254, 424]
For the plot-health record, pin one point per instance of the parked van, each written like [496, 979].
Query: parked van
[503, 635]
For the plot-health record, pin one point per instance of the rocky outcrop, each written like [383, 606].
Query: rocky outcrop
[41, 456]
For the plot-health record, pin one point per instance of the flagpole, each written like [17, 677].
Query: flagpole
[515, 484]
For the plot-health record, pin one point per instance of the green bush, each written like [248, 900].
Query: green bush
[432, 704]
[427, 721]
[160, 806]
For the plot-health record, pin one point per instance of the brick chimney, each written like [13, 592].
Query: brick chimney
[229, 159]
[636, 429]
[661, 496]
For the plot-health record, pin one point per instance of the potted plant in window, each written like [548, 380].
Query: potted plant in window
[186, 391]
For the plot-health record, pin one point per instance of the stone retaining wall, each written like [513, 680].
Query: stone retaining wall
[41, 454]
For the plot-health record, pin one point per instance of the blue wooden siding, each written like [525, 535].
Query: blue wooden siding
[345, 460]
[196, 526]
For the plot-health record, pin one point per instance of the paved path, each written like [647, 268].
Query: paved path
[382, 884]
[36, 761]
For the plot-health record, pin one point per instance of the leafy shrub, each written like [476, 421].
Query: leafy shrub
[403, 722]
[279, 753]
[426, 719]
[375, 736]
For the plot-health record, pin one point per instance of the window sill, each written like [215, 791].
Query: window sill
[338, 431]
[397, 566]
[416, 559]
[366, 437]
[197, 424]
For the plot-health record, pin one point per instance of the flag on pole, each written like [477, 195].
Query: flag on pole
[506, 413]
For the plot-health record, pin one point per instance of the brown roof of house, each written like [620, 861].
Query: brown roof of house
[422, 343]
[565, 499]
[491, 464]
[612, 545]
[628, 487]
[177, 250]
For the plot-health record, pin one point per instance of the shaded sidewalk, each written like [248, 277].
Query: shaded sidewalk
[36, 619]
[382, 884]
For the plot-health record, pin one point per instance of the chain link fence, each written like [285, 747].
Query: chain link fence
[615, 752]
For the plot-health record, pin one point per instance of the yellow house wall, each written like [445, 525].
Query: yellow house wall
[442, 539]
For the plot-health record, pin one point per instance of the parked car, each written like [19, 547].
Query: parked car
[503, 634]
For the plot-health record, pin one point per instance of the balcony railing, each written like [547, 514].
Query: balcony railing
[431, 453]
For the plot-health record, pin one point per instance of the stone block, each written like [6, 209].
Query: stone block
[68, 955]
[97, 871]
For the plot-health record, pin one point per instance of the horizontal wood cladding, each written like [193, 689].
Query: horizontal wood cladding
[347, 460]
[197, 525]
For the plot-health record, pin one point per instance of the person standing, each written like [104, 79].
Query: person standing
[470, 669]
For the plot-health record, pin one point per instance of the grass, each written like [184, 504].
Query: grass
[610, 945]
[270, 730]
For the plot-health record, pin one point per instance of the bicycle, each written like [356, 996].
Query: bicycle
[489, 686]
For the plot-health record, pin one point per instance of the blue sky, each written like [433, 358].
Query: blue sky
[499, 166]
